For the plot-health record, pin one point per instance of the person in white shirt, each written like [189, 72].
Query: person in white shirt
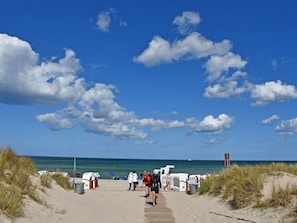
[134, 180]
[130, 180]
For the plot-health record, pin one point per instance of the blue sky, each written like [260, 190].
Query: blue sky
[149, 79]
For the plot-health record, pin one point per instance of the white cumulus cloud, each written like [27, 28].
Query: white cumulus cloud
[211, 124]
[193, 46]
[224, 90]
[187, 21]
[25, 80]
[220, 62]
[287, 127]
[272, 91]
[217, 64]
[55, 121]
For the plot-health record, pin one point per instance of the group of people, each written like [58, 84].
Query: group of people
[152, 183]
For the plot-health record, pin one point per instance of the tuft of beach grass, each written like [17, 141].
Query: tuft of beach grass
[16, 183]
[242, 186]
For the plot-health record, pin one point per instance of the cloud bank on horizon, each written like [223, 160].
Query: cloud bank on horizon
[25, 78]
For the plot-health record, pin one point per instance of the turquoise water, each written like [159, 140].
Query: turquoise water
[121, 167]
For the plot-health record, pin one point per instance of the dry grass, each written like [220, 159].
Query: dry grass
[16, 184]
[293, 215]
[11, 203]
[242, 186]
[281, 197]
[59, 178]
[62, 181]
[46, 180]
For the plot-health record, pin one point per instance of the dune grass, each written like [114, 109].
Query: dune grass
[46, 180]
[59, 178]
[16, 183]
[242, 186]
[62, 181]
[281, 197]
[11, 203]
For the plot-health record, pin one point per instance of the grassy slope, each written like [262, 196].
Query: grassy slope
[242, 186]
[15, 182]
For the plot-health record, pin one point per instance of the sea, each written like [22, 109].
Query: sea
[120, 168]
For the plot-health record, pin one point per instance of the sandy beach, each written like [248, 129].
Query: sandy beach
[112, 202]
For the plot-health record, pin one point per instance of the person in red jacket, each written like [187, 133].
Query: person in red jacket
[146, 182]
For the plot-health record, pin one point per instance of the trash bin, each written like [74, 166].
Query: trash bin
[79, 188]
[193, 189]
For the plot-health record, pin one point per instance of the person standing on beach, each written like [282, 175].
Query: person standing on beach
[134, 180]
[147, 182]
[130, 180]
[155, 186]
[168, 181]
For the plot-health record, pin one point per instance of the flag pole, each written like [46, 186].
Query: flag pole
[74, 170]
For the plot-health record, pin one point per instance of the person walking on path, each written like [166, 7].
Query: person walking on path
[147, 182]
[134, 180]
[155, 186]
[130, 180]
